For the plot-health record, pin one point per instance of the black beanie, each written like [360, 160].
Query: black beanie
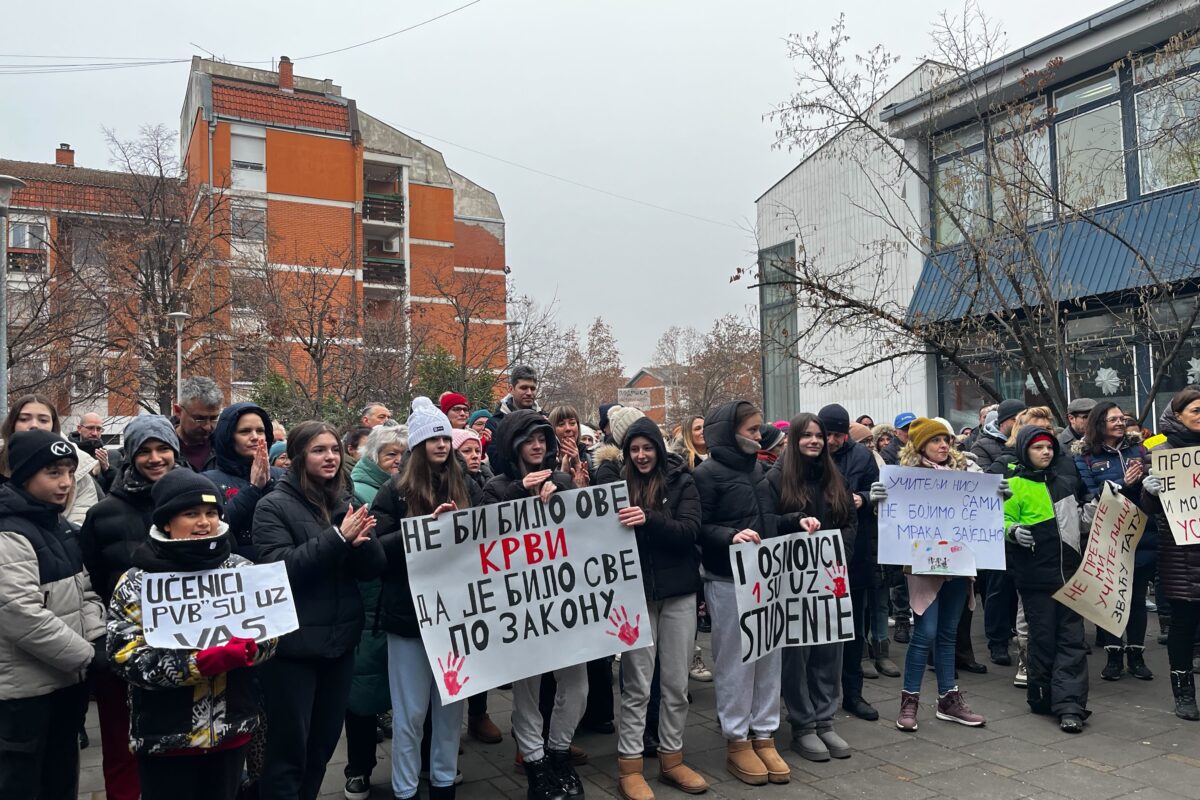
[29, 451]
[835, 418]
[1008, 409]
[771, 437]
[180, 490]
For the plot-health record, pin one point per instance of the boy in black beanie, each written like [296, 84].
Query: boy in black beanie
[51, 622]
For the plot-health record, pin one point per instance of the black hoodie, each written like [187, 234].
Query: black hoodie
[729, 482]
[232, 477]
[667, 540]
[505, 459]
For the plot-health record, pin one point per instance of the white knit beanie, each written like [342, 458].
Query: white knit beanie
[619, 420]
[426, 422]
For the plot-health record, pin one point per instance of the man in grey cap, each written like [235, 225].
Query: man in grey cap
[1077, 414]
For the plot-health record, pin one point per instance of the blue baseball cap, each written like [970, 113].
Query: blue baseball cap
[904, 419]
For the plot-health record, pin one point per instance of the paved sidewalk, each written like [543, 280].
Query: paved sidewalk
[1133, 747]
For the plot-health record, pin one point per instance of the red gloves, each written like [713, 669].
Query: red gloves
[233, 654]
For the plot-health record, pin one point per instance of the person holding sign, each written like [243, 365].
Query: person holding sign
[664, 515]
[1178, 565]
[732, 487]
[523, 456]
[1042, 532]
[192, 712]
[806, 492]
[938, 601]
[432, 481]
[306, 524]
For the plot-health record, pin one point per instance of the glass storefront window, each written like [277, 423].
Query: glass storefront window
[1086, 91]
[1091, 158]
[1021, 185]
[961, 183]
[1169, 134]
[961, 398]
[1106, 373]
[1183, 371]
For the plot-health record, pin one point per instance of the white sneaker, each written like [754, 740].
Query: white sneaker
[1021, 679]
[700, 671]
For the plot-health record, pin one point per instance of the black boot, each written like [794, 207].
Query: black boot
[1115, 666]
[902, 632]
[442, 792]
[568, 779]
[1183, 686]
[543, 783]
[1137, 663]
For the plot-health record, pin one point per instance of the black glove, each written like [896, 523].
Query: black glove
[99, 663]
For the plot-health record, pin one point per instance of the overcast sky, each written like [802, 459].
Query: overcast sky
[655, 100]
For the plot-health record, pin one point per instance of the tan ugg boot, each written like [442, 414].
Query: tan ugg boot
[673, 772]
[778, 770]
[744, 764]
[630, 782]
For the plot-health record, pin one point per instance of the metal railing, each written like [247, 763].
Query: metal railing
[384, 207]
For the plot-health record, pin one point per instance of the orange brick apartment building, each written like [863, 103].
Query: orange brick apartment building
[313, 186]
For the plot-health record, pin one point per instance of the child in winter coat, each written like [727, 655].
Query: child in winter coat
[192, 712]
[51, 622]
[1042, 532]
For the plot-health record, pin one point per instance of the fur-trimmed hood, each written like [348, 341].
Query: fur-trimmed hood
[606, 452]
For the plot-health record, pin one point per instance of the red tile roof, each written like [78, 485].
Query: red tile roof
[51, 186]
[267, 104]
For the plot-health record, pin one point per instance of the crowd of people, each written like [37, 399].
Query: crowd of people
[81, 526]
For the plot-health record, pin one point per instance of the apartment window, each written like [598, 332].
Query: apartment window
[1091, 158]
[244, 290]
[960, 187]
[27, 236]
[87, 383]
[248, 366]
[1169, 133]
[781, 368]
[1086, 91]
[248, 158]
[1021, 180]
[248, 223]
[27, 374]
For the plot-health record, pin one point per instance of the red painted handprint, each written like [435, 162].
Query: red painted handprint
[837, 574]
[624, 631]
[450, 673]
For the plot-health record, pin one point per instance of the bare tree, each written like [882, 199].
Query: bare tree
[702, 370]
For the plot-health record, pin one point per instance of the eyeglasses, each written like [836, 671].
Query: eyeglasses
[204, 417]
[459, 409]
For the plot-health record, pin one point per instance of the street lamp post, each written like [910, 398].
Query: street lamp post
[178, 317]
[7, 185]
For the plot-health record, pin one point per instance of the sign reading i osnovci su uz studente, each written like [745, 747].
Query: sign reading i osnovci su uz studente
[936, 505]
[518, 588]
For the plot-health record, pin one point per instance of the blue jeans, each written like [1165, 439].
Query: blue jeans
[876, 615]
[414, 694]
[936, 628]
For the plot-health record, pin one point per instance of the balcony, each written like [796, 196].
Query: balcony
[383, 214]
[23, 259]
[383, 271]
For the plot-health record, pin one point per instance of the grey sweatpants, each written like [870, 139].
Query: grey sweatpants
[569, 701]
[747, 694]
[673, 622]
[812, 683]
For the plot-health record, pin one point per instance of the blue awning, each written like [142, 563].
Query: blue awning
[1079, 259]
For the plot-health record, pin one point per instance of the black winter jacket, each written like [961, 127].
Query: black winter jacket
[859, 469]
[232, 477]
[782, 523]
[730, 482]
[515, 427]
[1178, 567]
[114, 528]
[667, 540]
[322, 567]
[891, 453]
[397, 614]
[987, 449]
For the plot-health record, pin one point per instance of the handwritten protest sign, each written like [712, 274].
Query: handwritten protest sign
[1179, 470]
[791, 591]
[519, 588]
[942, 558]
[195, 610]
[929, 505]
[1100, 589]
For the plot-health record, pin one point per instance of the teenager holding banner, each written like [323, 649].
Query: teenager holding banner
[524, 456]
[806, 492]
[432, 481]
[192, 711]
[306, 523]
[937, 601]
[1178, 566]
[732, 497]
[664, 514]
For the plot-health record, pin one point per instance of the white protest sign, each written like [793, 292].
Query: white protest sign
[1100, 589]
[519, 588]
[942, 558]
[932, 505]
[791, 591]
[195, 610]
[1179, 470]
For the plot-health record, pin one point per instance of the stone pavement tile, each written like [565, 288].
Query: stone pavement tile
[1181, 738]
[874, 783]
[1107, 749]
[922, 757]
[1012, 752]
[1153, 793]
[1132, 727]
[950, 734]
[1076, 781]
[863, 735]
[1174, 772]
[1030, 728]
[834, 767]
[974, 782]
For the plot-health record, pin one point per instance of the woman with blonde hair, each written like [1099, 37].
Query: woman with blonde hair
[690, 444]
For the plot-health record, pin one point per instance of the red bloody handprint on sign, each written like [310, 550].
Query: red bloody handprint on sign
[624, 631]
[837, 574]
[451, 671]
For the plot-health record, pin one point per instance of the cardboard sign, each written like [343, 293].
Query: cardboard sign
[1179, 470]
[791, 591]
[1100, 589]
[933, 505]
[196, 610]
[519, 588]
[942, 558]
